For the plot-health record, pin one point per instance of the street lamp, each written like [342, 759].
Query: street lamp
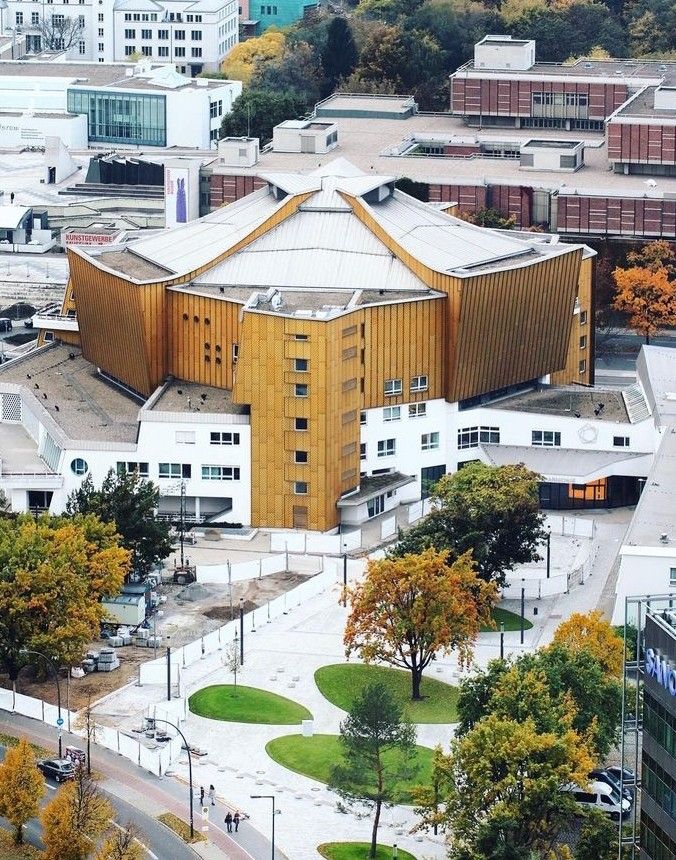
[52, 668]
[150, 724]
[549, 538]
[274, 812]
[168, 667]
[241, 631]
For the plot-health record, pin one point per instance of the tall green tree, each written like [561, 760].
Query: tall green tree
[21, 787]
[504, 782]
[598, 838]
[340, 54]
[130, 502]
[53, 574]
[491, 510]
[257, 112]
[378, 747]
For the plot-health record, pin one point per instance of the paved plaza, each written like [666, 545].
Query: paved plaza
[282, 657]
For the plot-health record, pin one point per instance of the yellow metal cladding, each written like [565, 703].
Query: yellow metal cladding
[285, 492]
[579, 359]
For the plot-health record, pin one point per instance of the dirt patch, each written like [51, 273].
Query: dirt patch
[184, 620]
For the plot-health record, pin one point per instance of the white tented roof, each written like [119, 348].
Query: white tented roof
[562, 465]
[11, 216]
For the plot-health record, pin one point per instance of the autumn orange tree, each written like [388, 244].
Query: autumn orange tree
[648, 295]
[53, 574]
[655, 255]
[409, 609]
[592, 633]
[74, 820]
[21, 787]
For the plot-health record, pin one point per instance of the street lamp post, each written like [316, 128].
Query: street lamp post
[523, 611]
[502, 640]
[168, 667]
[344, 579]
[241, 631]
[52, 668]
[150, 724]
[274, 812]
[549, 537]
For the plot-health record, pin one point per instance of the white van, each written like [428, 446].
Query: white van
[601, 796]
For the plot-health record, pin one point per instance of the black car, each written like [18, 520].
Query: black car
[613, 782]
[626, 774]
[58, 769]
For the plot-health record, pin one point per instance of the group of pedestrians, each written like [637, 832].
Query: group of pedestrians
[230, 819]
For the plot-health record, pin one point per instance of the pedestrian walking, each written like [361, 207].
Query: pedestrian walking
[201, 795]
[11, 197]
[235, 821]
[228, 822]
[212, 795]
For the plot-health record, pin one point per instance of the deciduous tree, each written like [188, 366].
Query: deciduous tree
[491, 510]
[655, 256]
[490, 218]
[53, 574]
[59, 32]
[130, 502]
[77, 816]
[409, 609]
[378, 746]
[249, 56]
[598, 838]
[592, 633]
[21, 787]
[257, 112]
[122, 844]
[504, 787]
[649, 297]
[298, 71]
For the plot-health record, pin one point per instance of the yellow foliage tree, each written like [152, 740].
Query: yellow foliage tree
[410, 608]
[243, 60]
[74, 819]
[655, 255]
[649, 297]
[122, 844]
[592, 633]
[513, 10]
[21, 787]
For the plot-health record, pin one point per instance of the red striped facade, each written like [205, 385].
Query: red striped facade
[641, 143]
[226, 189]
[617, 216]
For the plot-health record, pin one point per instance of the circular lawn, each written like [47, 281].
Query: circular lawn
[511, 620]
[342, 683]
[359, 851]
[316, 756]
[246, 705]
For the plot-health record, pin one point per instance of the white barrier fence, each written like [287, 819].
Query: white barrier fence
[155, 671]
[570, 526]
[418, 510]
[388, 527]
[239, 571]
[157, 760]
[535, 586]
[315, 543]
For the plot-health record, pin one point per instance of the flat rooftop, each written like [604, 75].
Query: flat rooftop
[569, 402]
[190, 397]
[373, 145]
[84, 405]
[643, 105]
[655, 513]
[366, 104]
[619, 69]
[19, 452]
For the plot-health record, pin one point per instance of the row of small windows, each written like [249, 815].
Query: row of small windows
[152, 16]
[658, 845]
[166, 470]
[396, 386]
[162, 35]
[147, 51]
[659, 724]
[471, 437]
[393, 413]
[388, 447]
[659, 785]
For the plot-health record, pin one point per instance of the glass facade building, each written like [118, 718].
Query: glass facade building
[121, 117]
[658, 765]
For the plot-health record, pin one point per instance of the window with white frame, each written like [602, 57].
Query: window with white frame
[393, 387]
[545, 438]
[300, 424]
[417, 410]
[419, 383]
[300, 488]
[621, 441]
[392, 413]
[220, 473]
[468, 437]
[301, 365]
[174, 470]
[185, 437]
[132, 466]
[301, 389]
[490, 435]
[375, 506]
[387, 447]
[221, 437]
[362, 418]
[362, 451]
[428, 441]
[672, 577]
[300, 456]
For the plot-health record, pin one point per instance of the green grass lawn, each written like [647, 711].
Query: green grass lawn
[511, 620]
[246, 705]
[341, 683]
[315, 756]
[358, 851]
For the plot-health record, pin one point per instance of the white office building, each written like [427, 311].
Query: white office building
[194, 34]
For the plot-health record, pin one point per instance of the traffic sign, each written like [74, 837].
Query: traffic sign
[59, 722]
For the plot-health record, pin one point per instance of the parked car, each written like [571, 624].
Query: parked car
[5, 324]
[601, 796]
[28, 323]
[605, 776]
[628, 776]
[58, 769]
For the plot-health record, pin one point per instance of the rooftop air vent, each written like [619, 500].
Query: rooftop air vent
[664, 538]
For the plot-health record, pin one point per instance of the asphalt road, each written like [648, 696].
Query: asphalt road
[139, 796]
[157, 840]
